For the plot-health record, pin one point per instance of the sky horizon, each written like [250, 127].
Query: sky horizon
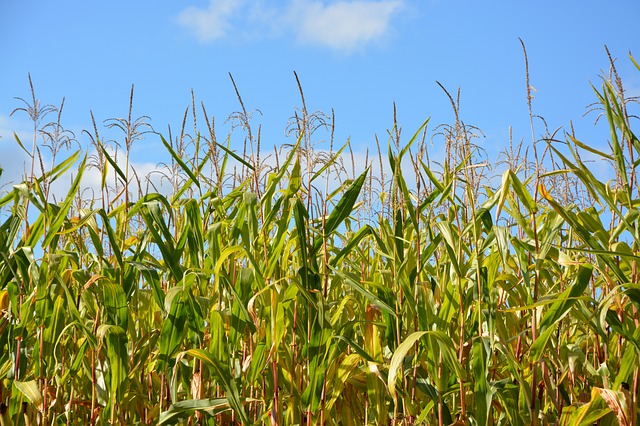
[357, 58]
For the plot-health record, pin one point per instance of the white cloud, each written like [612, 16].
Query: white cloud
[16, 163]
[342, 25]
[211, 23]
[150, 175]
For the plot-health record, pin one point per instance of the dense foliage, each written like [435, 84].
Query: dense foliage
[288, 289]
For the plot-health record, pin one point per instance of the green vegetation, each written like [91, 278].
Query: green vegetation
[290, 289]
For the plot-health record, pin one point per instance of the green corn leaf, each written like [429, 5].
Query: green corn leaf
[353, 283]
[225, 255]
[634, 62]
[281, 238]
[258, 363]
[275, 179]
[590, 148]
[398, 359]
[218, 343]
[51, 333]
[450, 242]
[182, 410]
[116, 343]
[437, 339]
[606, 100]
[342, 210]
[330, 162]
[113, 164]
[356, 348]
[483, 394]
[115, 303]
[61, 216]
[628, 363]
[86, 218]
[152, 278]
[187, 184]
[560, 308]
[172, 330]
[162, 237]
[179, 160]
[295, 179]
[346, 369]
[308, 269]
[396, 169]
[21, 145]
[522, 192]
[60, 168]
[432, 177]
[224, 377]
[364, 232]
[228, 151]
[113, 239]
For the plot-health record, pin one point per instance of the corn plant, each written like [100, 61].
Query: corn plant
[258, 293]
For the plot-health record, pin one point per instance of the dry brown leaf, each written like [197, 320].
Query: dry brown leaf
[196, 385]
[613, 401]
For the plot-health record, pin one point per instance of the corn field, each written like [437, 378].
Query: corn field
[293, 287]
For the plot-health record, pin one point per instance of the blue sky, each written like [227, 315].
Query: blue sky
[355, 56]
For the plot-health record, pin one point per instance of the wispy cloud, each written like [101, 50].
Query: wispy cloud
[212, 23]
[341, 25]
